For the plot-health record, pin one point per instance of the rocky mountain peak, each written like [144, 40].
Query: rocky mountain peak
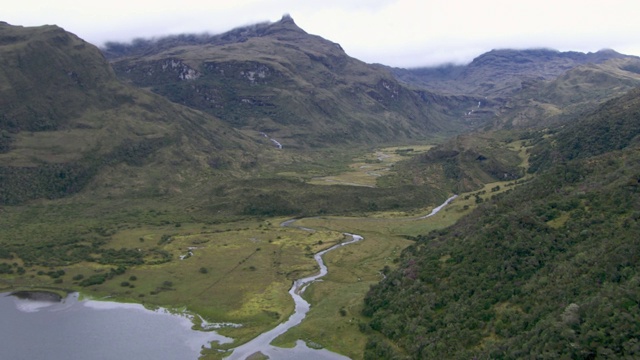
[286, 18]
[285, 26]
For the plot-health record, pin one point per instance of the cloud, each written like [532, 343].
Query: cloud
[394, 32]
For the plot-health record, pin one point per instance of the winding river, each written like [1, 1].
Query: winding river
[262, 343]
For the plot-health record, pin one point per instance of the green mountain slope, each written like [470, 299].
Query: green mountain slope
[298, 88]
[48, 77]
[548, 270]
[66, 122]
[463, 163]
[613, 127]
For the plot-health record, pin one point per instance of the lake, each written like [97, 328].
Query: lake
[70, 329]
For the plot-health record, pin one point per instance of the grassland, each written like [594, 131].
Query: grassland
[366, 170]
[177, 253]
[335, 319]
[237, 272]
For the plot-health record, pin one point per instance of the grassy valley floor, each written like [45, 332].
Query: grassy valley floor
[226, 268]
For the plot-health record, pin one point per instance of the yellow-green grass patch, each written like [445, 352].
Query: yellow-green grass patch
[240, 274]
[365, 170]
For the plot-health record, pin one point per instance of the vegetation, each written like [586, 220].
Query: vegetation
[546, 269]
[110, 189]
[532, 88]
[615, 126]
[463, 163]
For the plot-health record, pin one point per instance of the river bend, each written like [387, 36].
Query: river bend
[262, 343]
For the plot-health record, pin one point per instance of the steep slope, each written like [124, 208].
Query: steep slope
[66, 121]
[548, 270]
[613, 127]
[299, 88]
[35, 98]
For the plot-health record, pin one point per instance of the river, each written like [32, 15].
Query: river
[262, 343]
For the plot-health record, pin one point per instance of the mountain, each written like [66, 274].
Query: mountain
[467, 162]
[534, 87]
[549, 269]
[576, 92]
[501, 72]
[66, 121]
[614, 126]
[276, 79]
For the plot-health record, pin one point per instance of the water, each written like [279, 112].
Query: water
[72, 329]
[437, 209]
[300, 351]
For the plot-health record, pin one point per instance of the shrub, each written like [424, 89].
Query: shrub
[93, 280]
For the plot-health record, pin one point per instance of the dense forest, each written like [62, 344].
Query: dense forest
[548, 270]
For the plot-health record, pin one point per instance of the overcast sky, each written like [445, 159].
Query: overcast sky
[404, 33]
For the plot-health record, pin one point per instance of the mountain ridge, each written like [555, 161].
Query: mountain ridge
[501, 71]
[573, 93]
[276, 78]
[531, 87]
[285, 26]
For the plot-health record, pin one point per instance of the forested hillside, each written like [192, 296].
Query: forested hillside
[548, 270]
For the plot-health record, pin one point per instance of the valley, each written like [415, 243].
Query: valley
[161, 173]
[232, 271]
